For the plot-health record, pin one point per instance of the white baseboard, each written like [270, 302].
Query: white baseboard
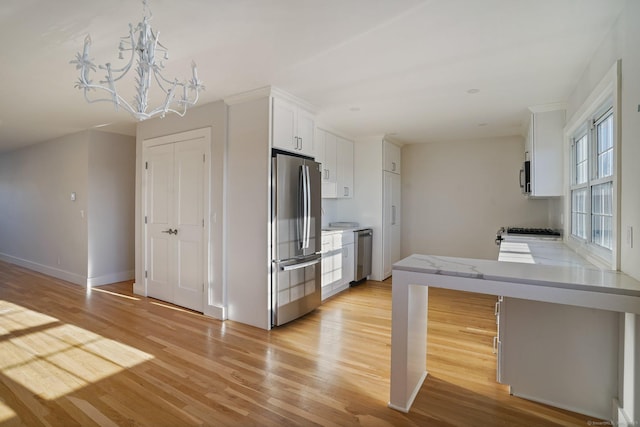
[139, 289]
[216, 311]
[111, 278]
[579, 410]
[620, 417]
[45, 269]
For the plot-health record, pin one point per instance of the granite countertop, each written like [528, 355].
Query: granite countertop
[568, 276]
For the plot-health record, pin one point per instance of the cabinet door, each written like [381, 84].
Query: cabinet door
[318, 147]
[345, 168]
[284, 125]
[305, 126]
[293, 128]
[391, 227]
[392, 157]
[348, 264]
[546, 154]
[329, 167]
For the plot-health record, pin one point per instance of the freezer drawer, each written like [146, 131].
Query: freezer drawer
[297, 289]
[362, 257]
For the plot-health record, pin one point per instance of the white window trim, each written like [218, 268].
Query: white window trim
[608, 88]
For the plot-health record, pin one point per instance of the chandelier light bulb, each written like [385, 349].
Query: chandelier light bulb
[143, 44]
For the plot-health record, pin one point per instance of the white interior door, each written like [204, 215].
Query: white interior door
[160, 245]
[189, 223]
[175, 220]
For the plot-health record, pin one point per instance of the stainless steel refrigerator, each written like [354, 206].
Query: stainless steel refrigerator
[296, 237]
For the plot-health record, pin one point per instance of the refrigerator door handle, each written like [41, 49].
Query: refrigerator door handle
[308, 208]
[301, 208]
[300, 265]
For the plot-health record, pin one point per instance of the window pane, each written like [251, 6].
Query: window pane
[579, 213]
[602, 215]
[580, 172]
[604, 143]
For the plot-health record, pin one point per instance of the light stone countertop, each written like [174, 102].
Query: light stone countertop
[570, 275]
[541, 252]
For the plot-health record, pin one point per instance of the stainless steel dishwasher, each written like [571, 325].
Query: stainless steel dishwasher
[362, 255]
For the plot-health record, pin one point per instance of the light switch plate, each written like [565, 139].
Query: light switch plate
[73, 196]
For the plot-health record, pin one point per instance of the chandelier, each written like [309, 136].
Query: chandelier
[143, 45]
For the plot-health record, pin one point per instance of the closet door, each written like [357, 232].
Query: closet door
[189, 224]
[175, 243]
[160, 245]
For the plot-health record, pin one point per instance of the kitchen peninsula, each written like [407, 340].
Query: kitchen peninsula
[573, 285]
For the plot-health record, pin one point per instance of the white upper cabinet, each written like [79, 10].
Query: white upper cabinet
[293, 127]
[344, 160]
[336, 155]
[391, 157]
[543, 148]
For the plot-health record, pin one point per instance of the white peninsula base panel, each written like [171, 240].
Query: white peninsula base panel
[561, 355]
[574, 286]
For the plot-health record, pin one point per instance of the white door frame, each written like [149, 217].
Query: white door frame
[205, 134]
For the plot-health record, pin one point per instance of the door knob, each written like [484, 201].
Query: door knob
[170, 231]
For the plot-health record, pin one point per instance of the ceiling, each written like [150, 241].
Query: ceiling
[399, 67]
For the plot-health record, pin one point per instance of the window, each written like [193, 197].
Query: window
[592, 176]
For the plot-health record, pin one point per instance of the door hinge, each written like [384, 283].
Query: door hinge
[203, 158]
[146, 165]
[145, 219]
[202, 222]
[146, 274]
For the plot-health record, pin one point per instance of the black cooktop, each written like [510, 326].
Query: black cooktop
[533, 231]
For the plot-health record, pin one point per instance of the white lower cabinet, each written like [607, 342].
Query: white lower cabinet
[337, 261]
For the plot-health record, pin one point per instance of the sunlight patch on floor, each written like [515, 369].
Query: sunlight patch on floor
[115, 294]
[6, 413]
[52, 359]
[173, 307]
[14, 318]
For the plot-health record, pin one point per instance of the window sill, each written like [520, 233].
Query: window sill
[601, 258]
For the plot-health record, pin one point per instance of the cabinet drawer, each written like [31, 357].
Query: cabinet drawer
[347, 237]
[328, 242]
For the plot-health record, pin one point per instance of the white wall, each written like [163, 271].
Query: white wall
[41, 228]
[622, 43]
[248, 210]
[110, 217]
[456, 195]
[211, 115]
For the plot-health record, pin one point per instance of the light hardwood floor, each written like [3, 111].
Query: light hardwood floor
[107, 357]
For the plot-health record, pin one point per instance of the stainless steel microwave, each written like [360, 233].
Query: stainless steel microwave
[525, 177]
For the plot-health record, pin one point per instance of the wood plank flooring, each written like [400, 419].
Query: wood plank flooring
[106, 357]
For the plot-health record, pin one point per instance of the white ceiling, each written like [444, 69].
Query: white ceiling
[400, 67]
